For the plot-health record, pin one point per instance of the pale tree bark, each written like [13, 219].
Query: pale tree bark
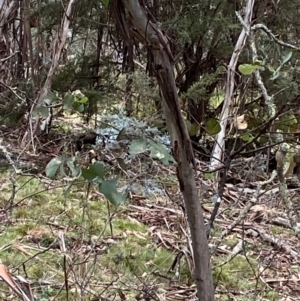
[59, 44]
[157, 44]
[217, 153]
[8, 10]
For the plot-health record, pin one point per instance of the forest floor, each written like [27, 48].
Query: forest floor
[64, 242]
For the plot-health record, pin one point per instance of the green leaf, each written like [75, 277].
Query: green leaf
[246, 137]
[75, 169]
[138, 146]
[82, 100]
[53, 166]
[40, 112]
[105, 2]
[94, 173]
[62, 171]
[193, 129]
[79, 107]
[122, 135]
[160, 151]
[68, 101]
[287, 57]
[109, 190]
[212, 126]
[263, 139]
[50, 98]
[247, 69]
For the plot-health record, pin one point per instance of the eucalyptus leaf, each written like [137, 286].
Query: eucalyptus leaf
[40, 112]
[287, 57]
[109, 190]
[68, 101]
[193, 129]
[50, 98]
[247, 69]
[213, 126]
[82, 100]
[122, 135]
[160, 151]
[138, 146]
[94, 173]
[246, 137]
[53, 166]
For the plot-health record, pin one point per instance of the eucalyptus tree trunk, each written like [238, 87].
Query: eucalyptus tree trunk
[149, 33]
[8, 11]
[59, 44]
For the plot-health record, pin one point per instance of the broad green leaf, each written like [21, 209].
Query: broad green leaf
[212, 126]
[62, 170]
[109, 190]
[81, 100]
[122, 135]
[138, 146]
[246, 137]
[263, 139]
[79, 107]
[193, 129]
[94, 173]
[160, 151]
[247, 69]
[75, 169]
[50, 98]
[68, 101]
[40, 112]
[53, 166]
[105, 2]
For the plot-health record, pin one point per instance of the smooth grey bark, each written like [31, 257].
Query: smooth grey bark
[157, 44]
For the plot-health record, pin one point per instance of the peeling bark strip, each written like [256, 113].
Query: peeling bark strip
[163, 66]
[217, 153]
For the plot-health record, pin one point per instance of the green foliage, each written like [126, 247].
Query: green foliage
[75, 101]
[58, 166]
[109, 189]
[105, 2]
[94, 173]
[212, 126]
[157, 150]
[236, 273]
[247, 69]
